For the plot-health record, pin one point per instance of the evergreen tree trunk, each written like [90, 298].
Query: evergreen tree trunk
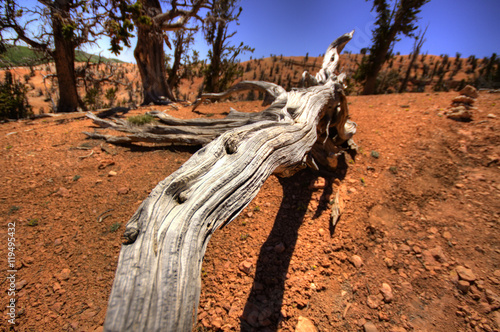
[150, 59]
[64, 58]
[212, 85]
[376, 61]
[173, 79]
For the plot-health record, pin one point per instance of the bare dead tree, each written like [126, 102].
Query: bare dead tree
[157, 282]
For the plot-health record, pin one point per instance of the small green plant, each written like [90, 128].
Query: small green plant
[243, 237]
[256, 208]
[33, 222]
[13, 99]
[244, 223]
[93, 97]
[140, 120]
[13, 209]
[8, 147]
[113, 228]
[76, 177]
[393, 170]
[111, 95]
[375, 154]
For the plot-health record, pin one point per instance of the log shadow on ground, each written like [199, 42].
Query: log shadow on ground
[262, 310]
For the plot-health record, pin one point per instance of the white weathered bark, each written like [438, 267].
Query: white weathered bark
[157, 282]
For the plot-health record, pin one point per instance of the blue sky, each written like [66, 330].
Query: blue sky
[297, 27]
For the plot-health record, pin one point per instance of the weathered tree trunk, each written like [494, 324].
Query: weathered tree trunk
[214, 69]
[150, 58]
[377, 61]
[64, 58]
[157, 282]
[181, 43]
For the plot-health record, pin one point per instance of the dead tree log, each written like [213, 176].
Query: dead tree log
[157, 282]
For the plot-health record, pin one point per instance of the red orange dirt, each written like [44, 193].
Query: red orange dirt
[417, 247]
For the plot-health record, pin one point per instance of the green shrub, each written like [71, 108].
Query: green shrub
[13, 99]
[140, 120]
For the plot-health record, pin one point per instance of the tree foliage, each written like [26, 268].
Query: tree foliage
[393, 20]
[56, 28]
[13, 99]
[223, 67]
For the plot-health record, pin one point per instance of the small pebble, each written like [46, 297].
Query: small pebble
[356, 261]
[386, 291]
[370, 327]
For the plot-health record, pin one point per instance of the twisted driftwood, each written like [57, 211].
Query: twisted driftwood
[157, 282]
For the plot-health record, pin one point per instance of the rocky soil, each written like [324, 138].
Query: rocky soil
[417, 247]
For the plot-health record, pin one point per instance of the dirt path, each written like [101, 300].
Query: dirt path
[420, 223]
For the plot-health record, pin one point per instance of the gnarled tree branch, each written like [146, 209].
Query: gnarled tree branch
[157, 282]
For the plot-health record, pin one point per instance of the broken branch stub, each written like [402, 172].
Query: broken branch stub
[157, 282]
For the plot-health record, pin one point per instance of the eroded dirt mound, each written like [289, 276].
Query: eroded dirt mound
[416, 248]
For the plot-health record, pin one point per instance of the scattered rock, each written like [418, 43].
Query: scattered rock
[438, 254]
[397, 329]
[463, 286]
[88, 314]
[491, 116]
[57, 306]
[305, 325]
[469, 91]
[21, 284]
[123, 190]
[112, 173]
[319, 183]
[386, 291]
[465, 274]
[459, 113]
[105, 163]
[216, 322]
[493, 299]
[447, 235]
[253, 318]
[373, 301]
[461, 106]
[389, 262]
[496, 317]
[463, 100]
[370, 327]
[63, 275]
[382, 316]
[246, 267]
[356, 261]
[279, 248]
[62, 192]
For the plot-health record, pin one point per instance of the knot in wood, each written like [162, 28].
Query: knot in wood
[130, 235]
[231, 145]
[183, 196]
